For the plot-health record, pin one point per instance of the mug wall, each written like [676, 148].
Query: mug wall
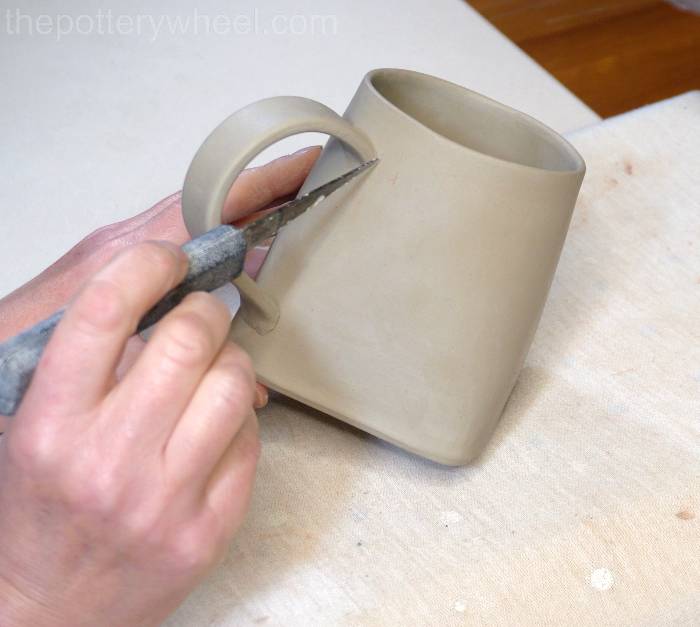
[409, 300]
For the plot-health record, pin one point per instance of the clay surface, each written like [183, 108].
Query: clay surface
[408, 301]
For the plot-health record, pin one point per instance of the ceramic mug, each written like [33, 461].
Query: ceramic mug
[406, 302]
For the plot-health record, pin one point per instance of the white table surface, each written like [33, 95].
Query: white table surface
[96, 126]
[584, 509]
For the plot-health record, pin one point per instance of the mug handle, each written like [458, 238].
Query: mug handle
[228, 150]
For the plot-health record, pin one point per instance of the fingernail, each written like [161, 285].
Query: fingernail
[261, 396]
[303, 151]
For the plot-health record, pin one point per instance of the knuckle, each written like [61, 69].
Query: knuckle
[100, 244]
[234, 357]
[192, 549]
[156, 255]
[210, 306]
[101, 307]
[141, 524]
[90, 489]
[187, 341]
[34, 450]
[102, 235]
[232, 390]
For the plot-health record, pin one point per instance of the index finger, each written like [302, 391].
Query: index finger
[79, 363]
[255, 188]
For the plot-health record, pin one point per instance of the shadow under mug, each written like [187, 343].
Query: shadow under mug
[406, 302]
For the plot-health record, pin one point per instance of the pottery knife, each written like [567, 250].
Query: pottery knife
[215, 258]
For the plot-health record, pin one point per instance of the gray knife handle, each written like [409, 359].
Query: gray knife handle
[215, 258]
[18, 359]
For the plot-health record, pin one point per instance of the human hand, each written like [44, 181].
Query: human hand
[117, 496]
[254, 190]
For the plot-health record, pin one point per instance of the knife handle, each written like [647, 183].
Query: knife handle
[215, 258]
[18, 359]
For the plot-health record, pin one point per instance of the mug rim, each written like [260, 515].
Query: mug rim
[567, 149]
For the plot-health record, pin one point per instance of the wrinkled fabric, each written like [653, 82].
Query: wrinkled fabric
[585, 507]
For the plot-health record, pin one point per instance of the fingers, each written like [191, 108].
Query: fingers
[156, 390]
[255, 258]
[254, 189]
[221, 404]
[132, 351]
[230, 486]
[79, 363]
[257, 187]
[261, 396]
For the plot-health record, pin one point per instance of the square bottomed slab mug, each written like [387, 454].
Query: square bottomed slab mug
[406, 302]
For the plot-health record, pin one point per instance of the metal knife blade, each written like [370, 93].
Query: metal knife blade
[215, 258]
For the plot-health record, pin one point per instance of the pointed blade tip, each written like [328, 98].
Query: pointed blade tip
[271, 224]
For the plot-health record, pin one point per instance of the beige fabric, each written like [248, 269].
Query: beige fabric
[584, 509]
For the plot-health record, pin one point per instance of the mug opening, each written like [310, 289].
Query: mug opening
[475, 121]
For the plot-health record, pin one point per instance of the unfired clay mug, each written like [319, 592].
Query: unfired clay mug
[405, 303]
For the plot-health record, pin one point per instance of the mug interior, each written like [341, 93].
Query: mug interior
[475, 121]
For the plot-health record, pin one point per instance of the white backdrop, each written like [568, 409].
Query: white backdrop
[102, 105]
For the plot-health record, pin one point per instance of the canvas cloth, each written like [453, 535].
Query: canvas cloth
[585, 507]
